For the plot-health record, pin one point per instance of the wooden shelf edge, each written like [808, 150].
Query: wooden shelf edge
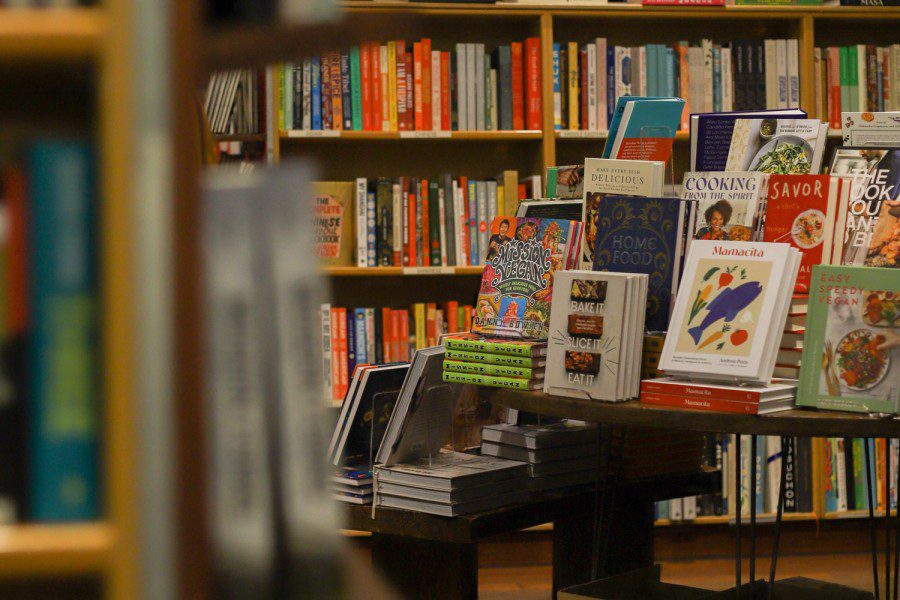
[39, 550]
[400, 271]
[240, 137]
[297, 135]
[51, 33]
[853, 514]
[570, 135]
[761, 519]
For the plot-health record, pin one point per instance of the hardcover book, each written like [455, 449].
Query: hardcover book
[727, 204]
[473, 342]
[726, 324]
[784, 146]
[517, 283]
[643, 235]
[334, 217]
[711, 135]
[620, 177]
[851, 355]
[643, 128]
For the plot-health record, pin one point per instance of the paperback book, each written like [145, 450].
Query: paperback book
[334, 222]
[851, 351]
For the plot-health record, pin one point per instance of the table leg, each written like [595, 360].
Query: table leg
[754, 441]
[738, 509]
[787, 451]
[631, 532]
[897, 540]
[872, 525]
[572, 536]
[425, 569]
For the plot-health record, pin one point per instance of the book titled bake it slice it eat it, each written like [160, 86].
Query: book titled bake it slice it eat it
[851, 350]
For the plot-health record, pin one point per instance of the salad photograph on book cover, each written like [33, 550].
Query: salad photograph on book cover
[727, 203]
[784, 146]
[851, 353]
[874, 176]
[517, 282]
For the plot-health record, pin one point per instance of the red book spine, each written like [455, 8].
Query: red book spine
[834, 88]
[713, 405]
[395, 335]
[696, 391]
[533, 83]
[335, 356]
[466, 242]
[467, 314]
[410, 237]
[404, 334]
[337, 112]
[430, 324]
[410, 92]
[325, 68]
[583, 87]
[417, 87]
[400, 49]
[365, 69]
[452, 314]
[426, 84]
[376, 86]
[518, 86]
[426, 255]
[445, 91]
[386, 335]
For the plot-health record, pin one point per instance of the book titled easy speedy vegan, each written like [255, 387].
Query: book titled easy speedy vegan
[851, 350]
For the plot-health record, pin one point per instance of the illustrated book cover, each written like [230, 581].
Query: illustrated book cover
[334, 220]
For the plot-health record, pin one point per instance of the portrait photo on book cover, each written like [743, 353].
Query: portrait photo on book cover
[861, 344]
[726, 301]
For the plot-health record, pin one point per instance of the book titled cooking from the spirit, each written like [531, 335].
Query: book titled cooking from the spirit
[517, 283]
[730, 310]
[851, 351]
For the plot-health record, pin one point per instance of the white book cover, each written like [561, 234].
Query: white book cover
[592, 86]
[642, 67]
[746, 457]
[443, 225]
[436, 90]
[397, 226]
[771, 60]
[727, 203]
[480, 122]
[605, 176]
[707, 47]
[676, 509]
[307, 94]
[689, 510]
[782, 146]
[793, 74]
[782, 66]
[729, 309]
[727, 81]
[601, 83]
[840, 463]
[585, 346]
[462, 89]
[325, 321]
[361, 223]
[472, 61]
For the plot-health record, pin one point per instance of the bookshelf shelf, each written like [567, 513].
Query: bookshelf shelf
[45, 33]
[761, 518]
[499, 136]
[567, 135]
[54, 550]
[241, 137]
[400, 271]
[852, 514]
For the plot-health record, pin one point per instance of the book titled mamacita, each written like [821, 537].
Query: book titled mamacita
[618, 177]
[801, 211]
[727, 203]
[851, 350]
[728, 315]
[517, 283]
[334, 220]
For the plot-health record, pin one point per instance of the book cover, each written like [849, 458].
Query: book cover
[517, 284]
[473, 342]
[643, 128]
[851, 351]
[727, 315]
[641, 235]
[533, 83]
[727, 203]
[777, 146]
[458, 366]
[492, 381]
[801, 211]
[334, 218]
[711, 134]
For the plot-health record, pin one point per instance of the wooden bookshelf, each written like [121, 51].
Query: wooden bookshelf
[51, 34]
[55, 550]
[471, 136]
[400, 271]
[240, 137]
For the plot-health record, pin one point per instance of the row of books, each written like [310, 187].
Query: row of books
[846, 488]
[50, 407]
[235, 101]
[589, 78]
[770, 457]
[360, 336]
[400, 87]
[856, 78]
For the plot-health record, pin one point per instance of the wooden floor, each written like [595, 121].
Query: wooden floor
[533, 582]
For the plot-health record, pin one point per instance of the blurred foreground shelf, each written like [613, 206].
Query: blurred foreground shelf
[49, 550]
[49, 33]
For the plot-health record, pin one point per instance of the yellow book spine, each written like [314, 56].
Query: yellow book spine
[281, 97]
[392, 85]
[574, 121]
[419, 315]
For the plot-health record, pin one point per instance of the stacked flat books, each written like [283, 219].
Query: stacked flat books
[559, 455]
[496, 362]
[353, 486]
[758, 400]
[653, 344]
[640, 452]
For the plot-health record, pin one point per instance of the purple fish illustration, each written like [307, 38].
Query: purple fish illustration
[727, 305]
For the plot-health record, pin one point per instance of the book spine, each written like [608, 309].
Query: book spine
[871, 79]
[461, 89]
[573, 92]
[487, 380]
[445, 91]
[480, 122]
[463, 208]
[282, 98]
[63, 451]
[698, 391]
[517, 77]
[346, 91]
[361, 223]
[436, 90]
[505, 94]
[410, 93]
[557, 91]
[356, 323]
[384, 66]
[402, 106]
[861, 102]
[788, 460]
[591, 70]
[337, 119]
[426, 84]
[496, 359]
[316, 96]
[371, 229]
[426, 225]
[365, 69]
[403, 318]
[327, 382]
[297, 113]
[384, 222]
[327, 114]
[397, 225]
[492, 86]
[709, 404]
[844, 78]
[475, 255]
[793, 68]
[404, 220]
[395, 335]
[377, 90]
[483, 223]
[601, 84]
[449, 216]
[442, 217]
[306, 109]
[417, 86]
[343, 349]
[393, 108]
[385, 341]
[335, 356]
[434, 223]
[533, 83]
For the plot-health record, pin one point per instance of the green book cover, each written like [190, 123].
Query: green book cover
[480, 368]
[859, 473]
[851, 349]
[473, 342]
[281, 97]
[551, 181]
[853, 78]
[355, 89]
[843, 68]
[503, 382]
[494, 359]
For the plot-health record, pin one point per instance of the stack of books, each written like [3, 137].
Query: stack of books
[653, 344]
[496, 362]
[558, 455]
[759, 400]
[856, 78]
[353, 486]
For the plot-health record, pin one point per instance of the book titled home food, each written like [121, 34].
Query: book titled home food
[517, 283]
[851, 351]
[728, 315]
[727, 203]
[619, 177]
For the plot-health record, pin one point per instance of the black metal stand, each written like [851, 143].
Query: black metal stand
[787, 450]
[738, 509]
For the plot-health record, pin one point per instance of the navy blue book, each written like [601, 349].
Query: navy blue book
[643, 235]
[316, 94]
[346, 101]
[351, 342]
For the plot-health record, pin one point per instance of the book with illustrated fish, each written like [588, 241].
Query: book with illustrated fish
[801, 211]
[517, 283]
[733, 298]
[851, 350]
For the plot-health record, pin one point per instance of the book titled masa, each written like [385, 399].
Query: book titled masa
[517, 282]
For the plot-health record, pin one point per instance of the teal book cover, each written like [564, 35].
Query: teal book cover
[851, 349]
[643, 128]
[355, 89]
[63, 383]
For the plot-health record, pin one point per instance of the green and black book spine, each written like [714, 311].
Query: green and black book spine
[462, 343]
[502, 382]
[384, 211]
[494, 359]
[478, 368]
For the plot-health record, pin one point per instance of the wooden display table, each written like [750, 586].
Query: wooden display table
[427, 556]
